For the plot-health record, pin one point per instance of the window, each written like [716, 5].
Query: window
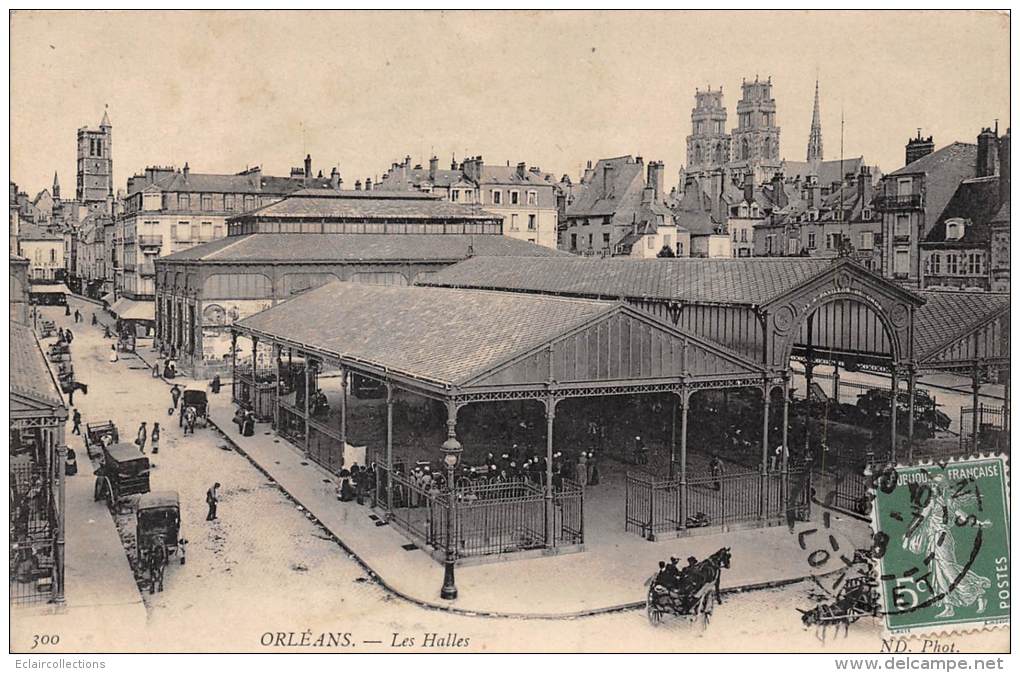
[249, 202]
[531, 222]
[513, 222]
[455, 195]
[904, 187]
[811, 241]
[901, 264]
[184, 201]
[734, 235]
[497, 197]
[515, 197]
[679, 248]
[591, 238]
[902, 225]
[605, 240]
[974, 264]
[667, 240]
[952, 264]
[207, 202]
[830, 241]
[867, 240]
[532, 198]
[651, 242]
[53, 255]
[743, 235]
[207, 231]
[218, 231]
[936, 264]
[573, 241]
[866, 214]
[196, 232]
[228, 201]
[469, 195]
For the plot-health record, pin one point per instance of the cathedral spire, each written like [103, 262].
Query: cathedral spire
[56, 187]
[814, 145]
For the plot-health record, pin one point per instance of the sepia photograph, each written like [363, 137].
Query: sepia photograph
[510, 331]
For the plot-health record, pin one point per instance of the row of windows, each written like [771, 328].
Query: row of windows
[955, 264]
[195, 232]
[743, 235]
[514, 197]
[532, 222]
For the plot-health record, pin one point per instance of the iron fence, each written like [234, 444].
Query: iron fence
[33, 571]
[654, 506]
[488, 518]
[991, 425]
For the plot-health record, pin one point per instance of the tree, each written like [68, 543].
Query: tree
[666, 252]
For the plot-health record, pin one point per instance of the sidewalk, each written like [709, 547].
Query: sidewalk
[609, 575]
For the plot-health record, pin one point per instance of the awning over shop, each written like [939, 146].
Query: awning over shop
[129, 309]
[48, 288]
[108, 297]
[34, 392]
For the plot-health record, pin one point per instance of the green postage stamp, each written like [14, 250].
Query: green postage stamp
[942, 536]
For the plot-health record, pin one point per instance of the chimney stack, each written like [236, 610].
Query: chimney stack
[919, 147]
[308, 165]
[1004, 177]
[748, 188]
[334, 178]
[433, 167]
[368, 184]
[865, 191]
[187, 170]
[357, 185]
[655, 179]
[987, 153]
[522, 169]
[606, 180]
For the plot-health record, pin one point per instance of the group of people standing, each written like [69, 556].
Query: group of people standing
[143, 437]
[355, 483]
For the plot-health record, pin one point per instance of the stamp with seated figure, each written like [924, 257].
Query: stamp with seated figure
[942, 535]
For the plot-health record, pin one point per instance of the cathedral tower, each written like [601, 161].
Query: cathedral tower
[56, 187]
[814, 143]
[708, 146]
[95, 165]
[755, 140]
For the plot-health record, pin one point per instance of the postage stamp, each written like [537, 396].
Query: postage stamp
[942, 535]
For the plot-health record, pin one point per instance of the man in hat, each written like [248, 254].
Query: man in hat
[212, 497]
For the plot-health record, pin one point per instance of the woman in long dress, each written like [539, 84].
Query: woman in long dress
[933, 537]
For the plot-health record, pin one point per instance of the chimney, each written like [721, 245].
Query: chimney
[647, 194]
[522, 170]
[473, 168]
[655, 179]
[1004, 168]
[606, 180]
[187, 171]
[368, 184]
[334, 178]
[778, 193]
[308, 165]
[433, 167]
[865, 191]
[639, 160]
[919, 147]
[357, 185]
[748, 188]
[987, 153]
[453, 162]
[407, 161]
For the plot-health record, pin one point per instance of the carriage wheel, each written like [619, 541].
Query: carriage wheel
[111, 498]
[653, 610]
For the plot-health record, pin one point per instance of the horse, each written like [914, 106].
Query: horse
[188, 418]
[691, 593]
[156, 560]
[74, 387]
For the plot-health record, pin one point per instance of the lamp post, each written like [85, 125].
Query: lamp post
[451, 455]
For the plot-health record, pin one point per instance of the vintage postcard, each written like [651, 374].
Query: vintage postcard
[510, 332]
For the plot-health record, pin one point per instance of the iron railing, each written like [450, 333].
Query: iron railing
[899, 201]
[992, 431]
[654, 506]
[150, 240]
[33, 571]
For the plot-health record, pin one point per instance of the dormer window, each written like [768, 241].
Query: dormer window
[743, 211]
[754, 211]
[866, 214]
[955, 229]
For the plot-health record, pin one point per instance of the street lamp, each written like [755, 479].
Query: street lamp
[451, 455]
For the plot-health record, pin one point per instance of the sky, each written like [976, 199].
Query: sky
[226, 90]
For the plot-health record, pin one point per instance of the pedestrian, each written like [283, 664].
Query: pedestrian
[67, 310]
[69, 335]
[77, 316]
[582, 470]
[640, 452]
[215, 384]
[594, 476]
[175, 395]
[76, 419]
[113, 353]
[94, 320]
[212, 497]
[155, 437]
[142, 436]
[716, 466]
[155, 369]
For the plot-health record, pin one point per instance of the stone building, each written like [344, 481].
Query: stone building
[95, 167]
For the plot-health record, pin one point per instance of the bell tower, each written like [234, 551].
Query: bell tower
[708, 145]
[755, 140]
[95, 166]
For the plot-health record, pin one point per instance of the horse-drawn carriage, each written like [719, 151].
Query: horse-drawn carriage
[47, 328]
[124, 471]
[194, 404]
[98, 435]
[59, 352]
[856, 598]
[158, 534]
[691, 592]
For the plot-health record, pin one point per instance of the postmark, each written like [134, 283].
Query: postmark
[942, 540]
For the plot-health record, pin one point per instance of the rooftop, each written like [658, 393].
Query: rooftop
[339, 248]
[30, 376]
[330, 204]
[747, 281]
[948, 315]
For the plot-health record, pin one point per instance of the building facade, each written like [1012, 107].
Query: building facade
[525, 197]
[95, 167]
[44, 249]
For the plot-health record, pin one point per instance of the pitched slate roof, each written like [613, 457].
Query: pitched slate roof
[359, 247]
[944, 170]
[948, 315]
[977, 200]
[441, 335]
[330, 204]
[30, 376]
[603, 197]
[750, 281]
[244, 183]
[828, 172]
[1003, 213]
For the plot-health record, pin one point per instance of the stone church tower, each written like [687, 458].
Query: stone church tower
[95, 166]
[708, 145]
[755, 140]
[814, 143]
